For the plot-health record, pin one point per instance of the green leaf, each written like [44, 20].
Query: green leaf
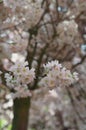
[9, 127]
[2, 123]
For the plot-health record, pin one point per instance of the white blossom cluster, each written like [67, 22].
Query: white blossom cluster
[67, 30]
[19, 39]
[14, 3]
[18, 79]
[20, 10]
[56, 75]
[20, 76]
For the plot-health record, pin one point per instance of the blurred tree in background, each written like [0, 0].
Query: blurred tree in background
[40, 31]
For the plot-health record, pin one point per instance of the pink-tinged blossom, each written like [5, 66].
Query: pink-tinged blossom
[58, 75]
[52, 65]
[19, 77]
[55, 75]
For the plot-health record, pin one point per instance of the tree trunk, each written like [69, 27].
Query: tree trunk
[21, 113]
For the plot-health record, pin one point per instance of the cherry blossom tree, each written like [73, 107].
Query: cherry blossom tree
[35, 37]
